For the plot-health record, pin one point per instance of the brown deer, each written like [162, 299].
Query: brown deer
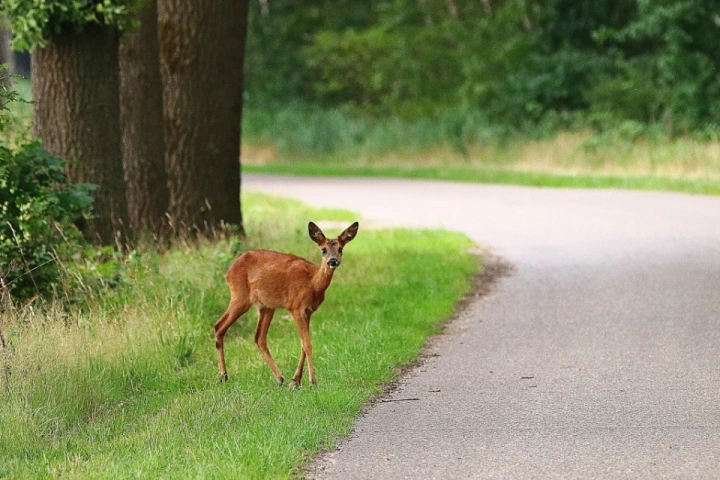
[271, 280]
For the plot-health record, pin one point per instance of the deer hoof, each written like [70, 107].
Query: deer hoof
[280, 381]
[295, 384]
[223, 377]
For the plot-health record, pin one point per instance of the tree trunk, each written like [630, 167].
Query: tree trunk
[6, 55]
[141, 115]
[77, 115]
[202, 46]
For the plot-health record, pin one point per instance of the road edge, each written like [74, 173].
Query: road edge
[494, 268]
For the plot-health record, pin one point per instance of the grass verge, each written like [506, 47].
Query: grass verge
[495, 176]
[630, 155]
[126, 385]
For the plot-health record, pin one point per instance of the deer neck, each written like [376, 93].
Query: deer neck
[322, 278]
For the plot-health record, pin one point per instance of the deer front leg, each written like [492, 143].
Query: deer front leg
[303, 324]
[265, 317]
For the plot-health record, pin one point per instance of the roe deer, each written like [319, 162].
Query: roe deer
[271, 280]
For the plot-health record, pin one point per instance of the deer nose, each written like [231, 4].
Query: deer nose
[333, 263]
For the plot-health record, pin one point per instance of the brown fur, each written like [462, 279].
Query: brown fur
[271, 280]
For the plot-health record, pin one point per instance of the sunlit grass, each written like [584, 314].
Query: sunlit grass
[567, 153]
[468, 149]
[127, 385]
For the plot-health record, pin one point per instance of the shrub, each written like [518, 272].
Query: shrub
[37, 211]
[36, 218]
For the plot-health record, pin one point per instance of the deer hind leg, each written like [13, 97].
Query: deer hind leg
[299, 372]
[234, 311]
[303, 324]
[264, 319]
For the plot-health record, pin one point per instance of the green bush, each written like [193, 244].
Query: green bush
[382, 72]
[667, 72]
[36, 219]
[37, 211]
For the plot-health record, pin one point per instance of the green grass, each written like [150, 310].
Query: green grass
[297, 140]
[298, 131]
[497, 176]
[126, 386]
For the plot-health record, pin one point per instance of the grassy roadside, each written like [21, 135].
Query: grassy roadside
[334, 142]
[496, 176]
[127, 386]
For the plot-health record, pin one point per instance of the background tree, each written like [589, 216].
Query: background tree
[201, 50]
[533, 66]
[6, 55]
[141, 115]
[667, 67]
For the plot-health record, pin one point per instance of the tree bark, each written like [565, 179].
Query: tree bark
[141, 115]
[202, 46]
[6, 54]
[77, 115]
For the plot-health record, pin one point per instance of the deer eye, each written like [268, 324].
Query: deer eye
[340, 251]
[324, 251]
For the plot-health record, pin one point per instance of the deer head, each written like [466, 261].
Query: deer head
[332, 250]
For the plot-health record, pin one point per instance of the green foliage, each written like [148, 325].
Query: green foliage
[351, 65]
[299, 131]
[381, 71]
[527, 66]
[36, 218]
[16, 112]
[668, 68]
[37, 211]
[33, 21]
[276, 66]
[7, 97]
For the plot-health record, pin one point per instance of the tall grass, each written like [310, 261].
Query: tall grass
[302, 136]
[336, 134]
[127, 386]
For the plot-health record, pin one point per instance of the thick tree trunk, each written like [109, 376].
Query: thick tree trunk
[77, 115]
[141, 115]
[201, 49]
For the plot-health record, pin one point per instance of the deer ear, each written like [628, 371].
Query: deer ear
[349, 233]
[316, 235]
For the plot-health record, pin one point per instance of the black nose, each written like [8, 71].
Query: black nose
[333, 262]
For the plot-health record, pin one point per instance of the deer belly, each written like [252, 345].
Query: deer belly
[268, 298]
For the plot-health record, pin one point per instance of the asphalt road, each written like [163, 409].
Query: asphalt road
[598, 357]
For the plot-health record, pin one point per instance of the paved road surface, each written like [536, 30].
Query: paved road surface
[599, 357]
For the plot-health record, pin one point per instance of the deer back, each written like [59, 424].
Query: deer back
[275, 280]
